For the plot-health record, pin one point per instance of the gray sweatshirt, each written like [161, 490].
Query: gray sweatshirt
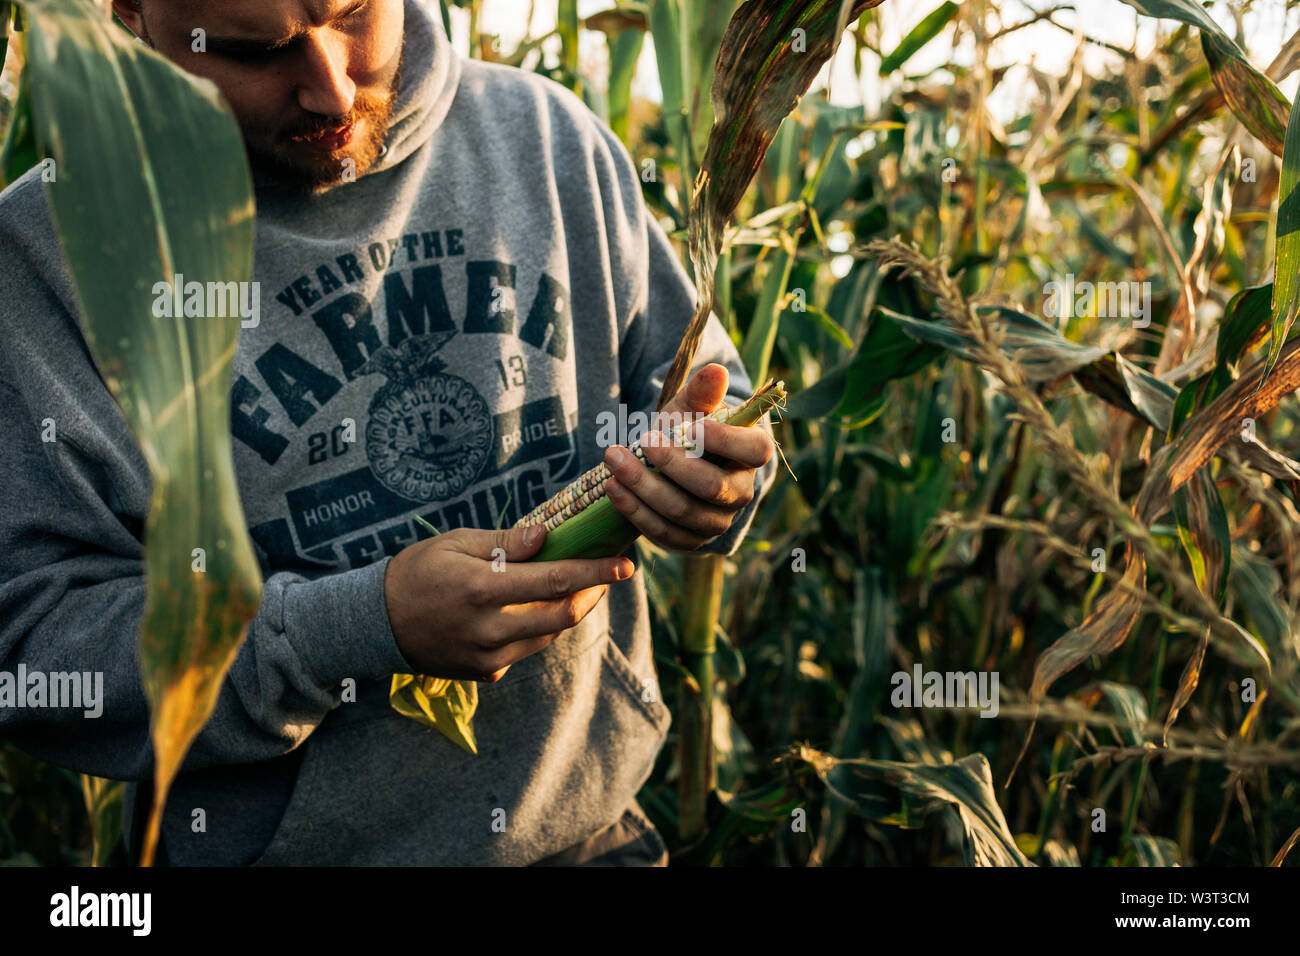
[472, 305]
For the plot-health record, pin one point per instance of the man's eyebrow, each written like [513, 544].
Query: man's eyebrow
[249, 45]
[238, 44]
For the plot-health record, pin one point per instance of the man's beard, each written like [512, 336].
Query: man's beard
[317, 174]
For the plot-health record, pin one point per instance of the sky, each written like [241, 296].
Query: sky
[1267, 25]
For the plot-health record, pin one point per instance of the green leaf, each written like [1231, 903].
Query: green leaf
[1286, 270]
[871, 620]
[1246, 320]
[963, 788]
[728, 662]
[665, 19]
[1251, 95]
[566, 25]
[769, 55]
[19, 151]
[1045, 355]
[827, 324]
[687, 34]
[756, 353]
[733, 754]
[1256, 583]
[1154, 851]
[624, 50]
[1129, 704]
[853, 392]
[1203, 532]
[771, 802]
[921, 34]
[104, 807]
[131, 134]
[1042, 353]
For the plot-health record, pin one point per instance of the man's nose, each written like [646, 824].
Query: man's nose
[326, 88]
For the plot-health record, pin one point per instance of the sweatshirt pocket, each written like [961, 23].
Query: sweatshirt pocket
[644, 689]
[295, 823]
[561, 756]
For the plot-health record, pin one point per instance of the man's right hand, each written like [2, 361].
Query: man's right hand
[456, 617]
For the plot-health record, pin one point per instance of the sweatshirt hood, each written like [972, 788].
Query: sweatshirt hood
[430, 75]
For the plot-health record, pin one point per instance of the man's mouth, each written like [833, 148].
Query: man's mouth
[327, 141]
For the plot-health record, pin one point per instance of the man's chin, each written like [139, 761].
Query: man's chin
[313, 177]
[299, 166]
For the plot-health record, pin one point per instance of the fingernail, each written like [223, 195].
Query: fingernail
[533, 534]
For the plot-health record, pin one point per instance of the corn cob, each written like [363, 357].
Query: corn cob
[583, 522]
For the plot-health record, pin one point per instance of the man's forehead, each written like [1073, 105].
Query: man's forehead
[257, 19]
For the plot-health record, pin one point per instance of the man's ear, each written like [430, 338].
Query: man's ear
[126, 12]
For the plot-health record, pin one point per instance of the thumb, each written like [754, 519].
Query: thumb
[518, 544]
[704, 391]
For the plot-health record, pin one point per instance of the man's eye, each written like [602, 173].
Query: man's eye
[252, 56]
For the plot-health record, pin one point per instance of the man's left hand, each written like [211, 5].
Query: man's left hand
[688, 501]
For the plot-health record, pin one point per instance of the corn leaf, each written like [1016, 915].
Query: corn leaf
[103, 799]
[872, 620]
[19, 151]
[854, 390]
[769, 55]
[1203, 532]
[921, 34]
[1246, 321]
[131, 135]
[1128, 703]
[624, 48]
[1286, 270]
[902, 794]
[1044, 355]
[1250, 94]
[1187, 683]
[1105, 629]
[1154, 851]
[772, 802]
[686, 35]
[1173, 466]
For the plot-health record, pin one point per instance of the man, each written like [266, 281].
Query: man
[458, 270]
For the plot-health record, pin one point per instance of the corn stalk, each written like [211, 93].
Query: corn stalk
[701, 603]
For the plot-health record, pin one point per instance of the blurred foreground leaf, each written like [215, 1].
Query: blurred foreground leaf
[132, 137]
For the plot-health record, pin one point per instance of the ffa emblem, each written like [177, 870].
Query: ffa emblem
[429, 433]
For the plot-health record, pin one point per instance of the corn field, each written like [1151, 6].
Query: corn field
[1036, 325]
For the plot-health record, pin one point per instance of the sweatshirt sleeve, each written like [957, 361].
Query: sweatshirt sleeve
[72, 585]
[660, 306]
